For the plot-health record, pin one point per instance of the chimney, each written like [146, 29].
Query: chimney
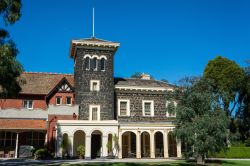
[145, 76]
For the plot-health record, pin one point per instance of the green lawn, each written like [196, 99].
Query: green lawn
[172, 163]
[234, 152]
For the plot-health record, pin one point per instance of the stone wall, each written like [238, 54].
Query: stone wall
[83, 96]
[136, 97]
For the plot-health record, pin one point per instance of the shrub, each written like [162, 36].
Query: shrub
[81, 150]
[247, 142]
[41, 153]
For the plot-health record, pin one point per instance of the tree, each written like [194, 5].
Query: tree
[164, 80]
[139, 74]
[226, 78]
[243, 114]
[201, 123]
[10, 68]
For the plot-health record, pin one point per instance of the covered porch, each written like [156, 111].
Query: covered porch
[16, 133]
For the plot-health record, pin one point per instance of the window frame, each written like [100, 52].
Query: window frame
[119, 107]
[28, 103]
[91, 113]
[60, 100]
[91, 85]
[95, 60]
[104, 64]
[151, 107]
[70, 100]
[87, 64]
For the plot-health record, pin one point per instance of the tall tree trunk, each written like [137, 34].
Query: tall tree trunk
[201, 159]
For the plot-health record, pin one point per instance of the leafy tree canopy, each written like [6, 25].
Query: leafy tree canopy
[243, 114]
[10, 68]
[139, 74]
[226, 76]
[201, 123]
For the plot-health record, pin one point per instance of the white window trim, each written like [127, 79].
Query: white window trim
[60, 100]
[128, 107]
[151, 109]
[175, 104]
[98, 85]
[28, 104]
[90, 112]
[70, 100]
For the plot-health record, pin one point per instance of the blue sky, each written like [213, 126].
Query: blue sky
[169, 39]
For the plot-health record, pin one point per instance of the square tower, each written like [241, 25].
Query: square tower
[94, 77]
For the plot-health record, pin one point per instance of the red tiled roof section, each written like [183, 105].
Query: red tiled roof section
[22, 124]
[42, 83]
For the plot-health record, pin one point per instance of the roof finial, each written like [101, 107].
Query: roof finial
[93, 23]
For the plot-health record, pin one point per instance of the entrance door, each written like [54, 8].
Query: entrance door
[96, 145]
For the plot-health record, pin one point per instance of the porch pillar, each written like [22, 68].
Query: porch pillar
[178, 142]
[88, 147]
[16, 150]
[71, 143]
[138, 144]
[165, 143]
[152, 144]
[120, 145]
[104, 146]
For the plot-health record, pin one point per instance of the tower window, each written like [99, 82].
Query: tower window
[87, 63]
[94, 64]
[103, 64]
[94, 85]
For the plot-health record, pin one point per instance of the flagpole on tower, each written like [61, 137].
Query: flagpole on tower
[93, 23]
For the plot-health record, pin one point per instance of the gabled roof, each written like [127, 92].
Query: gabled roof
[91, 42]
[43, 83]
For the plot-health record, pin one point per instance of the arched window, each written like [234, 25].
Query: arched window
[94, 64]
[87, 63]
[103, 64]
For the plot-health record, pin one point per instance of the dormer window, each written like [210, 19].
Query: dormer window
[58, 100]
[28, 104]
[103, 64]
[94, 64]
[87, 63]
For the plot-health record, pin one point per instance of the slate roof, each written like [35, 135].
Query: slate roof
[92, 42]
[142, 82]
[42, 83]
[22, 124]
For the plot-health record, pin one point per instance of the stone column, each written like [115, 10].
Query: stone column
[104, 146]
[165, 143]
[88, 147]
[138, 144]
[178, 142]
[71, 145]
[16, 150]
[152, 144]
[120, 144]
